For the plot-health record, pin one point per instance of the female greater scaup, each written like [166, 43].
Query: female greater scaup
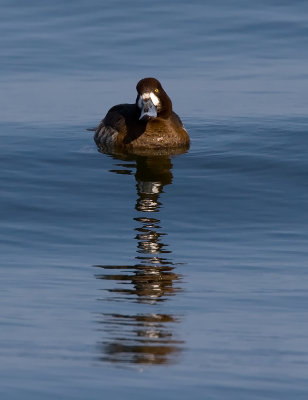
[149, 123]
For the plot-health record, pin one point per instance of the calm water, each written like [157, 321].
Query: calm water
[168, 277]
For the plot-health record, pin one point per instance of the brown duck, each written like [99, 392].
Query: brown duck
[149, 123]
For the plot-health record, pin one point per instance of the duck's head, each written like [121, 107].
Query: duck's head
[152, 100]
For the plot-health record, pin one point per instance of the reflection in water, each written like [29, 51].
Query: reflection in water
[146, 336]
[142, 339]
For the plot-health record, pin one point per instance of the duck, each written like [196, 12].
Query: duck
[149, 123]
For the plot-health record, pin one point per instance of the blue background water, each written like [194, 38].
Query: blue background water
[170, 278]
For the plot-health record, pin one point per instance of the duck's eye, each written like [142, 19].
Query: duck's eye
[156, 91]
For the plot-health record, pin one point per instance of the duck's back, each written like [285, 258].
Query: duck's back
[115, 124]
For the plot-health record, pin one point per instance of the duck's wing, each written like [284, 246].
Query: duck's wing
[118, 117]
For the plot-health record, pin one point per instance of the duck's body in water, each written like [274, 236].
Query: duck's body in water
[149, 123]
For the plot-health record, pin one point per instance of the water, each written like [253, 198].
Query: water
[158, 277]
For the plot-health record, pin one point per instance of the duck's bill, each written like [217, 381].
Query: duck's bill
[148, 110]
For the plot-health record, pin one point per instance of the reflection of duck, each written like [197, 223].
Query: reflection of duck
[148, 284]
[145, 337]
[149, 123]
[151, 176]
[149, 237]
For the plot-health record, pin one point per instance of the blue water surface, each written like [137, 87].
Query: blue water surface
[173, 277]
